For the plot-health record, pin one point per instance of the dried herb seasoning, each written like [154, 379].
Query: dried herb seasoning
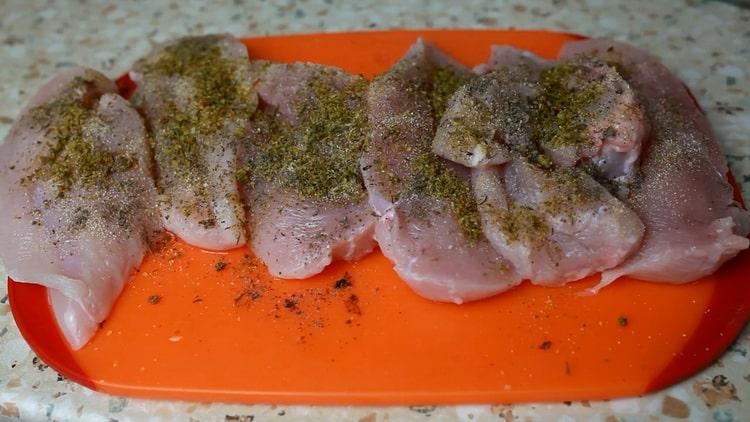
[318, 157]
[445, 82]
[75, 157]
[569, 189]
[560, 109]
[524, 224]
[434, 178]
[217, 101]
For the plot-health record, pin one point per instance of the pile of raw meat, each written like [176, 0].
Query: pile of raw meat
[468, 181]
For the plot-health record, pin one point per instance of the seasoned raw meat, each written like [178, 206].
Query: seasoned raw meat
[78, 203]
[197, 96]
[486, 118]
[300, 167]
[576, 112]
[681, 192]
[402, 102]
[550, 219]
[430, 225]
[505, 55]
[433, 236]
[554, 225]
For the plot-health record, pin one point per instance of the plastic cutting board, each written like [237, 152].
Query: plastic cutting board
[183, 330]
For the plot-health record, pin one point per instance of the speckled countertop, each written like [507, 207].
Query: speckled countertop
[707, 43]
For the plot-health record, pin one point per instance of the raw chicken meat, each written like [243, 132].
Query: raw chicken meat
[488, 117]
[430, 225]
[577, 112]
[197, 96]
[546, 216]
[79, 204]
[554, 225]
[402, 103]
[586, 110]
[681, 192]
[300, 166]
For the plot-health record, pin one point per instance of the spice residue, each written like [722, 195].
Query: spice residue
[352, 305]
[433, 178]
[560, 110]
[522, 223]
[318, 156]
[307, 305]
[568, 189]
[445, 82]
[75, 157]
[344, 282]
[199, 114]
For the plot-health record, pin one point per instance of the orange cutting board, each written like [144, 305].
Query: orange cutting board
[187, 329]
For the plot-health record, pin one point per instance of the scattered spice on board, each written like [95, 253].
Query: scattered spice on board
[352, 305]
[154, 299]
[221, 265]
[307, 306]
[344, 282]
[290, 303]
[248, 293]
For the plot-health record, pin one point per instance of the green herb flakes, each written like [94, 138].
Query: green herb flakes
[74, 157]
[318, 158]
[432, 177]
[560, 110]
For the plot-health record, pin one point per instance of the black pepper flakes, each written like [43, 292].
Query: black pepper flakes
[154, 299]
[290, 303]
[343, 283]
[622, 321]
[352, 305]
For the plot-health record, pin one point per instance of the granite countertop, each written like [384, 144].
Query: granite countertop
[706, 42]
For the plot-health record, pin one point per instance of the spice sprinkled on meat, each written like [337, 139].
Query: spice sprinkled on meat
[307, 202]
[197, 95]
